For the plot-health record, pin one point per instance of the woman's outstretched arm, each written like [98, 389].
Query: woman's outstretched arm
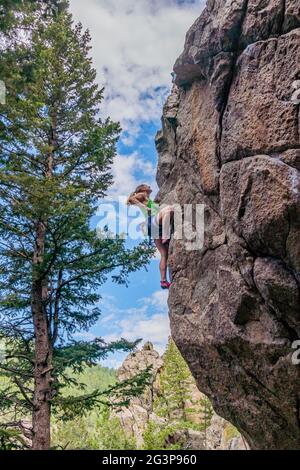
[137, 200]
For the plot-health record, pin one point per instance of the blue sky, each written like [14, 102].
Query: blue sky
[135, 44]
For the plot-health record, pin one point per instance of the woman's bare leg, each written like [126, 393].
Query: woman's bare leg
[163, 265]
[165, 218]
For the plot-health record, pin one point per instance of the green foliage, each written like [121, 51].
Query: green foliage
[206, 410]
[8, 13]
[55, 165]
[71, 397]
[94, 428]
[156, 437]
[175, 384]
[11, 439]
[14, 12]
[115, 396]
[97, 430]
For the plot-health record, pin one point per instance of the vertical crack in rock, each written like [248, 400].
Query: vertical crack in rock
[233, 65]
[230, 141]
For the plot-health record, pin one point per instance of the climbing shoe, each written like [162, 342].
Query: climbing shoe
[165, 284]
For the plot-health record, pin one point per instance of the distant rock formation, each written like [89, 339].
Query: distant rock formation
[135, 418]
[230, 141]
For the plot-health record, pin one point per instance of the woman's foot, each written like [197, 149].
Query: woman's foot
[165, 284]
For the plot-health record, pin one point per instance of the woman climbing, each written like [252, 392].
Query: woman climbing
[158, 223]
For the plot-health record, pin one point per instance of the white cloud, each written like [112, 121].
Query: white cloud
[149, 321]
[113, 363]
[135, 44]
[159, 299]
[155, 329]
[127, 171]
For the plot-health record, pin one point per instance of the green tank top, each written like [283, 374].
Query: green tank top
[151, 205]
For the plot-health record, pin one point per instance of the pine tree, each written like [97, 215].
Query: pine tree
[175, 385]
[8, 10]
[55, 157]
[18, 19]
[176, 403]
[14, 12]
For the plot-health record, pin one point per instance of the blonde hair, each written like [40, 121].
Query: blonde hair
[140, 189]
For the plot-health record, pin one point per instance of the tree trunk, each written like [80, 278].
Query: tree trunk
[42, 329]
[43, 350]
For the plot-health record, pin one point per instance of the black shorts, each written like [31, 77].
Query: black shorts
[155, 230]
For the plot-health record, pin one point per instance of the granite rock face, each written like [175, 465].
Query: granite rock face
[230, 141]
